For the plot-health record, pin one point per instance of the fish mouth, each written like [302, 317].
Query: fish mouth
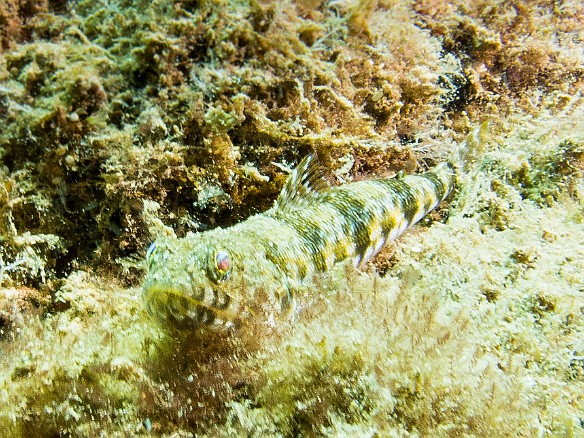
[175, 307]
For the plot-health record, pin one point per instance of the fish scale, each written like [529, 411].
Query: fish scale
[220, 277]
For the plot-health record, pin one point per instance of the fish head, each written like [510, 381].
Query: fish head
[193, 281]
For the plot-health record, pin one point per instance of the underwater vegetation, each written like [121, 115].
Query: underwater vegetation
[123, 121]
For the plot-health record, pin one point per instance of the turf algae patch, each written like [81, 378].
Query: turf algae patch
[508, 50]
[108, 110]
[107, 105]
[376, 356]
[75, 370]
[512, 266]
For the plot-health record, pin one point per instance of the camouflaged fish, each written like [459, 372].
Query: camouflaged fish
[220, 277]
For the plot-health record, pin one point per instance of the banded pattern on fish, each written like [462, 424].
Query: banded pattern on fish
[219, 277]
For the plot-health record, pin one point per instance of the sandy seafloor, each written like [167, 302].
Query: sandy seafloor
[121, 118]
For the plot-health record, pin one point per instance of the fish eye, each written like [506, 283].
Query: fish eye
[222, 264]
[150, 253]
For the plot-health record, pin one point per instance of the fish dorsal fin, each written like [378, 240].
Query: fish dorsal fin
[302, 186]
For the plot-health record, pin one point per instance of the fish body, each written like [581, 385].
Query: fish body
[219, 277]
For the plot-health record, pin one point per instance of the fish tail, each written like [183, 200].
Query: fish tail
[473, 147]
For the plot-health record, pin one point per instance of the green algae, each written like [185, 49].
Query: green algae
[125, 118]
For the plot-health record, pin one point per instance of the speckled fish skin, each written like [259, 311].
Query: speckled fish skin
[219, 278]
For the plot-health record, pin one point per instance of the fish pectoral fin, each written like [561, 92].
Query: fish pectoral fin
[287, 304]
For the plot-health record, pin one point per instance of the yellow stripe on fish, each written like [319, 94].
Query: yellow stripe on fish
[219, 277]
